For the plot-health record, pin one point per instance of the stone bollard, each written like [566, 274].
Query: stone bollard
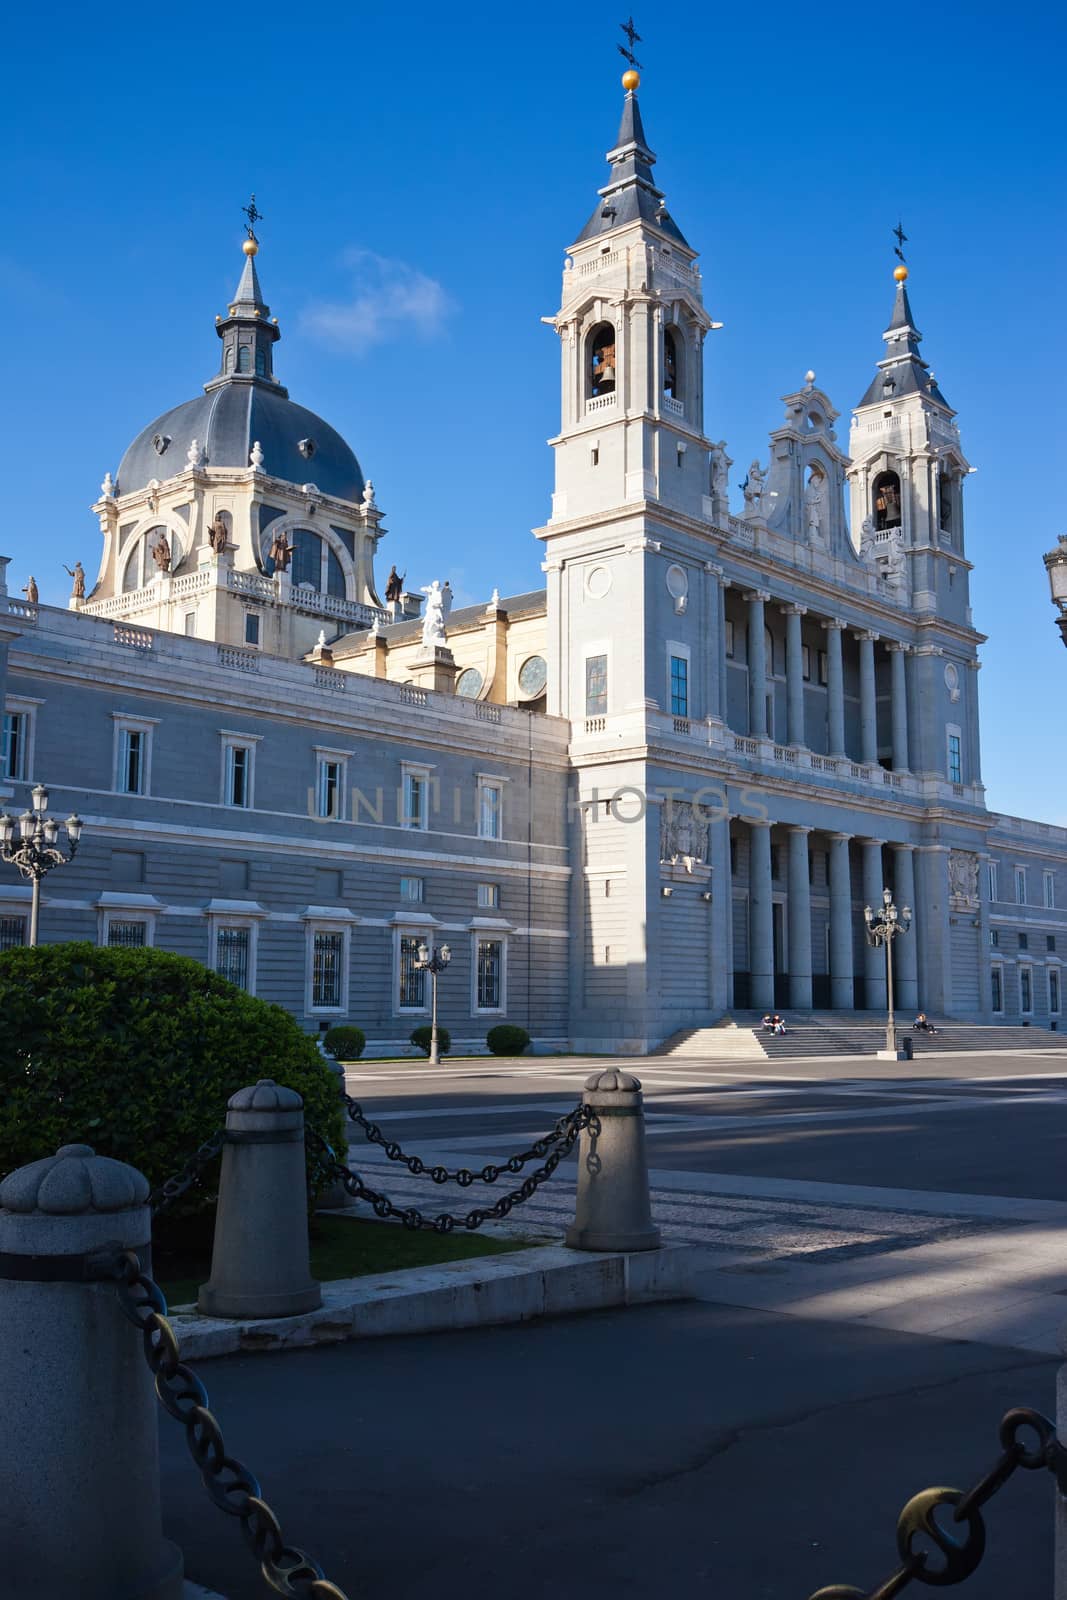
[79, 1439]
[259, 1263]
[613, 1210]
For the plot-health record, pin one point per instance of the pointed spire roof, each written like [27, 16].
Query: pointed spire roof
[248, 331]
[902, 371]
[630, 195]
[249, 296]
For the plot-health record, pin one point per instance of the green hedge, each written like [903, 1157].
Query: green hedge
[507, 1039]
[136, 1052]
[420, 1038]
[344, 1042]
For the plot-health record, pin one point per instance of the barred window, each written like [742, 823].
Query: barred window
[679, 686]
[326, 971]
[12, 932]
[14, 757]
[231, 955]
[412, 991]
[997, 978]
[127, 935]
[490, 974]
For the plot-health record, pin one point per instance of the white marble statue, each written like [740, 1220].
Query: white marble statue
[255, 456]
[813, 502]
[867, 538]
[433, 622]
[896, 572]
[320, 642]
[720, 471]
[754, 490]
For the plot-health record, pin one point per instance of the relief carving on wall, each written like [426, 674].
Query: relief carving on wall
[963, 879]
[683, 837]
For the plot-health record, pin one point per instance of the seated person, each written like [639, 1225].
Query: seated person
[777, 1024]
[922, 1025]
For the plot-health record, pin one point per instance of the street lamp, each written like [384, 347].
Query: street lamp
[434, 964]
[1056, 567]
[882, 928]
[36, 851]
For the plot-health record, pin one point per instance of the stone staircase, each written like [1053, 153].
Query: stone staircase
[843, 1033]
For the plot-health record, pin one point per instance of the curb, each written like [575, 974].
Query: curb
[548, 1281]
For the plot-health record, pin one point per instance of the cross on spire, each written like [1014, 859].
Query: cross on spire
[254, 215]
[632, 38]
[901, 237]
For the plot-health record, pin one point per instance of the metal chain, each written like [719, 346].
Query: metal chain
[570, 1127]
[962, 1553]
[230, 1485]
[463, 1175]
[173, 1188]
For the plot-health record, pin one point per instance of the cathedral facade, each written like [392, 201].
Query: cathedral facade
[656, 792]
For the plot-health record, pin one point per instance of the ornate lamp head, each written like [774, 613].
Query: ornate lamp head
[26, 821]
[39, 795]
[74, 827]
[50, 830]
[7, 828]
[424, 953]
[445, 953]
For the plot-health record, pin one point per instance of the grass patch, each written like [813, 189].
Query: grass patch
[339, 1249]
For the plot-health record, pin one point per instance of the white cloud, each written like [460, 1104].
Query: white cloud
[390, 299]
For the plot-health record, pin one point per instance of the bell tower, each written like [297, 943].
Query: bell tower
[631, 327]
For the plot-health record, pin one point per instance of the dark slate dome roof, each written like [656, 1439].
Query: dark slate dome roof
[227, 421]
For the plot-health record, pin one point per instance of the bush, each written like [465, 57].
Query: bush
[136, 1053]
[421, 1040]
[345, 1042]
[506, 1039]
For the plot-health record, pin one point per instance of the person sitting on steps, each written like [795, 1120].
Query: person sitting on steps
[922, 1025]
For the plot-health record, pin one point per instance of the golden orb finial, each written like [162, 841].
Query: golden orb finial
[900, 274]
[250, 247]
[631, 79]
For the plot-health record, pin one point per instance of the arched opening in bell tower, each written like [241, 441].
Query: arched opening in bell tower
[672, 364]
[601, 360]
[885, 497]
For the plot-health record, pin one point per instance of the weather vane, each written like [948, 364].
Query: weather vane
[254, 215]
[901, 237]
[632, 38]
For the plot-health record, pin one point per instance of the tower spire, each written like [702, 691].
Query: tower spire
[248, 332]
[630, 195]
[902, 370]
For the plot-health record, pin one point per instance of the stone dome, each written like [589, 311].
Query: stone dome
[297, 445]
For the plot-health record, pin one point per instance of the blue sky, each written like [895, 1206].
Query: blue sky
[421, 172]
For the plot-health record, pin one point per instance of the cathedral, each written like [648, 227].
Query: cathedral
[656, 792]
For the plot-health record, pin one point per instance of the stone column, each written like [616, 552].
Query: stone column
[757, 663]
[721, 976]
[905, 948]
[868, 701]
[799, 920]
[794, 672]
[897, 653]
[79, 1433]
[760, 917]
[715, 643]
[835, 689]
[874, 962]
[842, 994]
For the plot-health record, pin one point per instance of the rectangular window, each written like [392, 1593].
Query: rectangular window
[490, 975]
[12, 932]
[1049, 883]
[733, 857]
[994, 937]
[127, 935]
[1020, 886]
[997, 982]
[16, 724]
[776, 862]
[190, 624]
[824, 669]
[489, 896]
[955, 759]
[131, 761]
[251, 628]
[490, 799]
[411, 888]
[679, 686]
[1050, 943]
[728, 642]
[596, 686]
[1053, 990]
[993, 870]
[1024, 941]
[805, 662]
[327, 970]
[415, 807]
[238, 775]
[231, 955]
[1026, 990]
[328, 789]
[412, 989]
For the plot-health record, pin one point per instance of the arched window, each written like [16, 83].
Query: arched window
[229, 357]
[601, 370]
[944, 502]
[335, 577]
[261, 363]
[244, 358]
[131, 575]
[307, 558]
[672, 364]
[885, 496]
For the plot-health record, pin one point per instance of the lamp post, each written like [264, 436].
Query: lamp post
[1056, 567]
[883, 927]
[434, 963]
[35, 851]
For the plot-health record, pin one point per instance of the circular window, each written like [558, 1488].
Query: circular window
[677, 582]
[598, 582]
[469, 683]
[533, 675]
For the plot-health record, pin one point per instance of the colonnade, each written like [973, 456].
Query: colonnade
[833, 627]
[844, 922]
